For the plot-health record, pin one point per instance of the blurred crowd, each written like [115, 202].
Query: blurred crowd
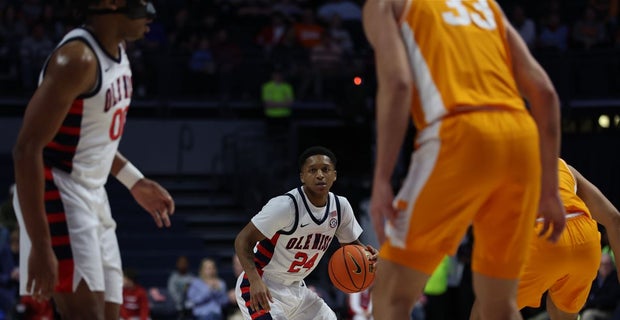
[225, 49]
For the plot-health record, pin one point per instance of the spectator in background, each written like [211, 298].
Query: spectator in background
[435, 292]
[228, 58]
[589, 31]
[179, 281]
[606, 10]
[232, 309]
[52, 23]
[202, 68]
[347, 9]
[308, 31]
[34, 49]
[289, 8]
[277, 97]
[13, 27]
[207, 294]
[31, 309]
[341, 35]
[554, 34]
[135, 300]
[360, 305]
[605, 292]
[524, 25]
[292, 57]
[9, 274]
[270, 35]
[327, 61]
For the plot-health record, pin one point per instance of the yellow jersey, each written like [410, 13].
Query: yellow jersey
[459, 56]
[568, 191]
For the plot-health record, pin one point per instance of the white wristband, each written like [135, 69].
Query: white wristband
[129, 175]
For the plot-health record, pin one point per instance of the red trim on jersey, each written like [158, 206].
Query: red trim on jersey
[48, 173]
[74, 131]
[258, 313]
[65, 276]
[77, 107]
[57, 146]
[60, 240]
[264, 251]
[56, 217]
[52, 195]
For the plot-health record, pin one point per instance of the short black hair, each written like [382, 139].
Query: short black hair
[313, 151]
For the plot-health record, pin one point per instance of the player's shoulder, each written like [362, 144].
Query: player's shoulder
[281, 202]
[342, 200]
[74, 55]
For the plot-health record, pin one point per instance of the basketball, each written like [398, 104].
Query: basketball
[350, 269]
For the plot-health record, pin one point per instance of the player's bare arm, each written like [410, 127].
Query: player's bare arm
[149, 194]
[393, 101]
[71, 71]
[538, 90]
[244, 248]
[602, 210]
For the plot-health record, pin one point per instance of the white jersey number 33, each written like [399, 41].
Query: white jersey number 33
[482, 15]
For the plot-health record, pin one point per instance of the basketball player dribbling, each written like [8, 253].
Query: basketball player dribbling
[460, 70]
[286, 240]
[65, 150]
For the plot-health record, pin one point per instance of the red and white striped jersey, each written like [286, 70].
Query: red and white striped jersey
[88, 138]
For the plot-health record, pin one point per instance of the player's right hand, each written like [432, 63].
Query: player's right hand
[552, 210]
[260, 296]
[381, 207]
[42, 273]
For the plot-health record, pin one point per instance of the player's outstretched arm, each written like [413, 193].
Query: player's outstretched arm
[395, 85]
[602, 210]
[149, 194]
[538, 90]
[244, 248]
[71, 71]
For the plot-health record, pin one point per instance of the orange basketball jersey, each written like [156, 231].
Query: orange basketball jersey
[568, 191]
[459, 57]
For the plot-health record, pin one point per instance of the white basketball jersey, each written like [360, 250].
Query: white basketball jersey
[88, 139]
[298, 234]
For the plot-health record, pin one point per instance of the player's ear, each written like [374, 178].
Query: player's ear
[301, 177]
[335, 175]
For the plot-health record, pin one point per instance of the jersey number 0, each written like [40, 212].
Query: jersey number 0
[481, 15]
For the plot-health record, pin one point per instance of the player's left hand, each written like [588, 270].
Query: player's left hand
[552, 210]
[374, 256]
[151, 196]
[374, 253]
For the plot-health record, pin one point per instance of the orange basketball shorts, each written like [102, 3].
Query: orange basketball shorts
[565, 268]
[480, 167]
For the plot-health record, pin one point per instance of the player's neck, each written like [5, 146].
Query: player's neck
[317, 200]
[106, 36]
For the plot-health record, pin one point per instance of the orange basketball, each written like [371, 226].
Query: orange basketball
[350, 269]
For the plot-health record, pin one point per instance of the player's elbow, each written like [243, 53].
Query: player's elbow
[547, 94]
[614, 219]
[24, 151]
[398, 88]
